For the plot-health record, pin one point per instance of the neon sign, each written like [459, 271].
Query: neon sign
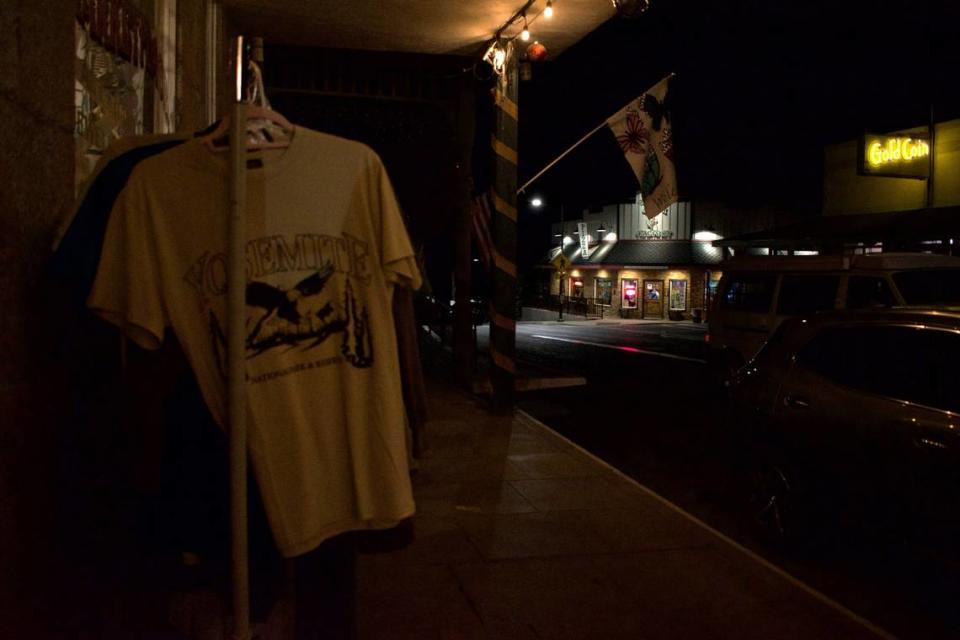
[630, 294]
[897, 150]
[904, 156]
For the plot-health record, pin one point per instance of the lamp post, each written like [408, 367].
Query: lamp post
[563, 272]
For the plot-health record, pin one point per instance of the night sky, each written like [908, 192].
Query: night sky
[761, 87]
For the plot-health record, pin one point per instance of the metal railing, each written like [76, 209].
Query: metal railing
[588, 308]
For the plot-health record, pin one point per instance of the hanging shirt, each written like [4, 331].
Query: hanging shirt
[77, 248]
[326, 245]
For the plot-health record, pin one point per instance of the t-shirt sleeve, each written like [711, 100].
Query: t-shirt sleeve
[127, 288]
[397, 257]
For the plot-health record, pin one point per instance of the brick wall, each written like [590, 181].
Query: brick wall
[36, 162]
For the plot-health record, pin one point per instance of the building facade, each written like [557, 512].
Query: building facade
[898, 191]
[632, 266]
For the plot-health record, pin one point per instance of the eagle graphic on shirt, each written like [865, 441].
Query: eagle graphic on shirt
[303, 317]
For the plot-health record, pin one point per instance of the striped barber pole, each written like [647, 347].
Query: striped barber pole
[503, 197]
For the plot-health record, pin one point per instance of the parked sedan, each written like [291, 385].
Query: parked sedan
[854, 416]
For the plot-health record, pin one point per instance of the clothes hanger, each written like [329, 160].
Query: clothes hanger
[266, 128]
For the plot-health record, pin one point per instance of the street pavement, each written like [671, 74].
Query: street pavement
[651, 409]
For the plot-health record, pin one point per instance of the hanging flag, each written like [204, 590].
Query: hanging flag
[643, 130]
[482, 213]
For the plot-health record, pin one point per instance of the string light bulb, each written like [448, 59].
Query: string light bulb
[548, 11]
[525, 34]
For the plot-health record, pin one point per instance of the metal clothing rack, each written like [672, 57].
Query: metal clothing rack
[236, 316]
[236, 370]
[236, 357]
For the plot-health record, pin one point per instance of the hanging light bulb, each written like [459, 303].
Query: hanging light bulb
[525, 34]
[548, 12]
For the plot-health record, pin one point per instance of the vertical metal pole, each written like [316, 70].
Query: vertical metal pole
[464, 323]
[503, 307]
[562, 272]
[236, 371]
[563, 276]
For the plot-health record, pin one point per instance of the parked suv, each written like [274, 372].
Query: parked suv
[757, 293]
[854, 415]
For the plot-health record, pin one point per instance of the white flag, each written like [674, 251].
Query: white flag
[643, 130]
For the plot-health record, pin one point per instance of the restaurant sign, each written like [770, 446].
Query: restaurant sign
[895, 156]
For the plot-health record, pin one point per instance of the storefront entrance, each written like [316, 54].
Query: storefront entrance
[652, 299]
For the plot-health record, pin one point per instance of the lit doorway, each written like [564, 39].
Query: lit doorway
[652, 299]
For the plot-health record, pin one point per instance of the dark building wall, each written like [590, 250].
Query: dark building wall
[191, 65]
[729, 220]
[36, 162]
[37, 146]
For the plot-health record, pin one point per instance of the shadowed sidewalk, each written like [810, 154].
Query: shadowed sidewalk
[520, 534]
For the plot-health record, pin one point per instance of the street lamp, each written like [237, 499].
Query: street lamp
[536, 202]
[563, 243]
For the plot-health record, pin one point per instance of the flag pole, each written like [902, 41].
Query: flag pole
[561, 156]
[572, 147]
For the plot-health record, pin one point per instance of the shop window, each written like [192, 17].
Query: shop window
[653, 290]
[576, 288]
[806, 294]
[678, 295]
[713, 285]
[603, 291]
[630, 288]
[749, 292]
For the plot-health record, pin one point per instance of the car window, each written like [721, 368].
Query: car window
[806, 294]
[773, 343]
[929, 286]
[864, 292]
[749, 292]
[930, 362]
[904, 363]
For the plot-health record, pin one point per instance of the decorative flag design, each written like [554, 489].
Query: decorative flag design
[584, 239]
[482, 214]
[643, 130]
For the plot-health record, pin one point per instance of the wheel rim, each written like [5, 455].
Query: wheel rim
[772, 500]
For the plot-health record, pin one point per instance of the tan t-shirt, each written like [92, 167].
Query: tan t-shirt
[326, 245]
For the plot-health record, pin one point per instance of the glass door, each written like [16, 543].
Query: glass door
[652, 299]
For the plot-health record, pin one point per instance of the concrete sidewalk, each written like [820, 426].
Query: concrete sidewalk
[521, 534]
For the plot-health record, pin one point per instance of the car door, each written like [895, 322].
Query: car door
[922, 381]
[882, 426]
[814, 416]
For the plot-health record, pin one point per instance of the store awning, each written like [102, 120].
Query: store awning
[868, 228]
[415, 26]
[640, 253]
